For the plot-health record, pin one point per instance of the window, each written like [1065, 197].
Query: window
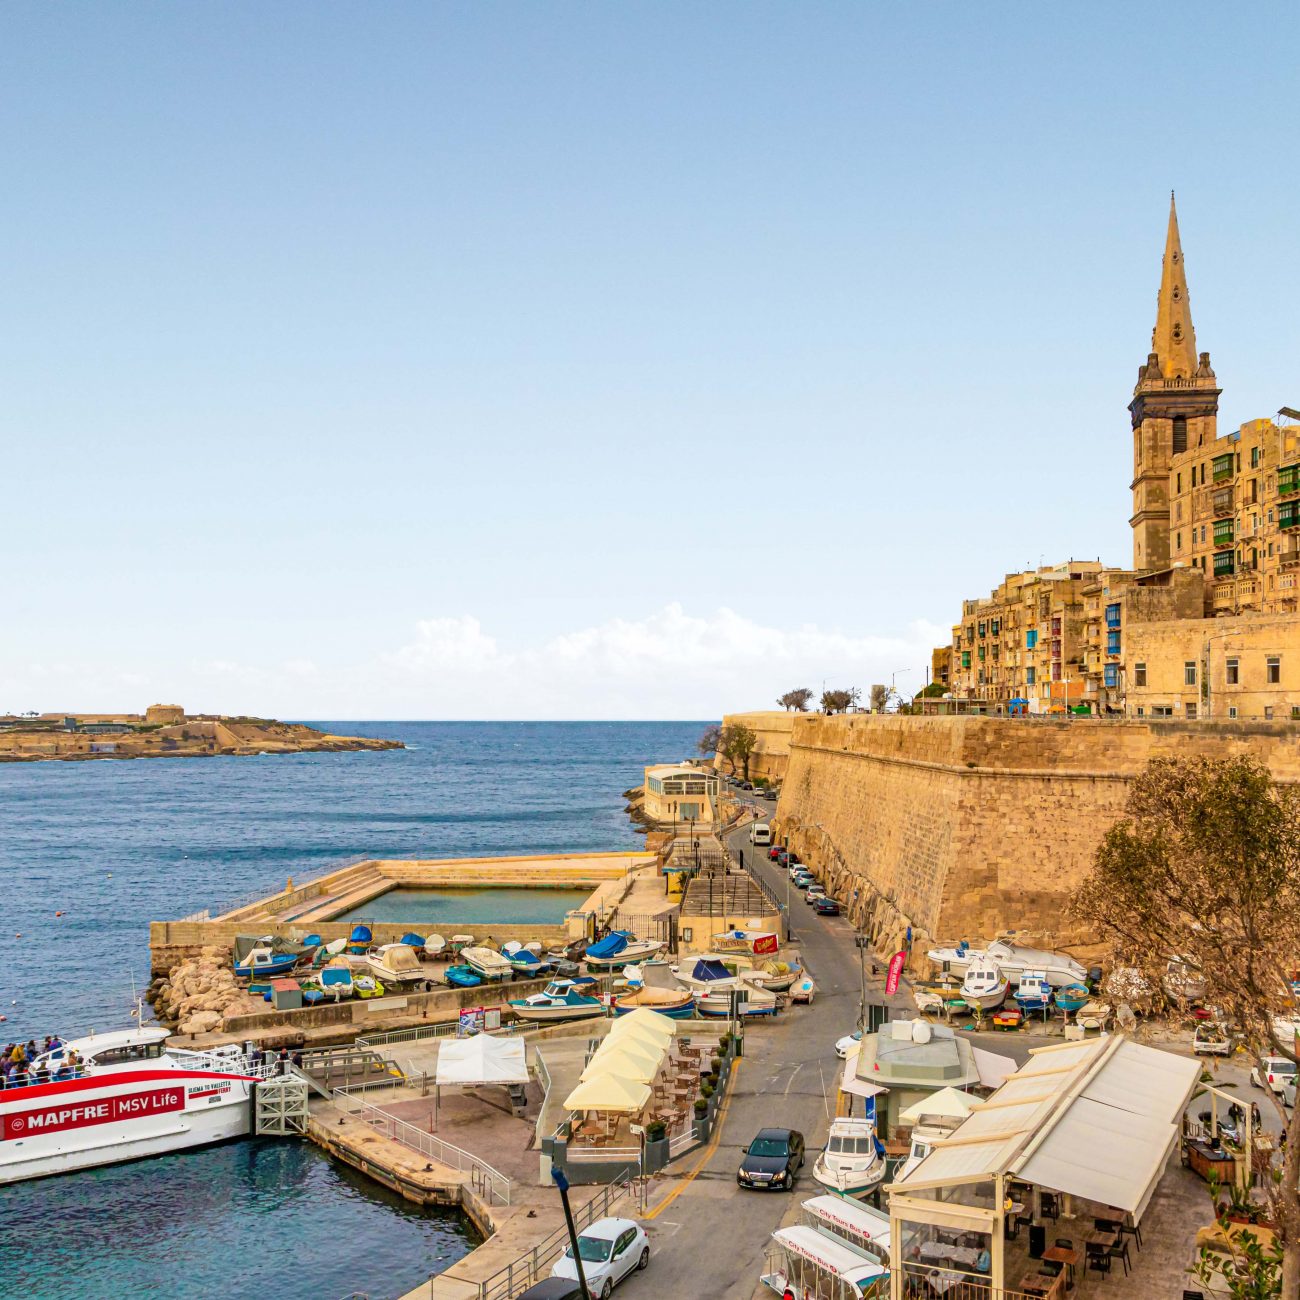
[1202, 534]
[1139, 674]
[1225, 563]
[1178, 482]
[1031, 676]
[1179, 542]
[1254, 457]
[1162, 711]
[1189, 673]
[1232, 710]
[1268, 712]
[1112, 615]
[1112, 643]
[1222, 467]
[1274, 669]
[1288, 480]
[1031, 638]
[1180, 434]
[1141, 712]
[1232, 672]
[1223, 532]
[981, 629]
[1111, 675]
[965, 658]
[1190, 708]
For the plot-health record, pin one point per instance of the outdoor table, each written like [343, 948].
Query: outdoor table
[1043, 1285]
[1067, 1256]
[932, 1251]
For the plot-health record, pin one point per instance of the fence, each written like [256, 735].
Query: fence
[489, 1183]
[506, 1283]
[925, 1279]
[544, 1082]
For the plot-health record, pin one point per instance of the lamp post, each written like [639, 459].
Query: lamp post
[557, 1176]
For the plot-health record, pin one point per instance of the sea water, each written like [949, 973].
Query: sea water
[114, 844]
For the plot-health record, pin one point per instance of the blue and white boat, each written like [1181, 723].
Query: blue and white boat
[751, 1001]
[619, 948]
[559, 1000]
[527, 965]
[263, 962]
[463, 977]
[1033, 992]
[335, 982]
[1072, 997]
[359, 939]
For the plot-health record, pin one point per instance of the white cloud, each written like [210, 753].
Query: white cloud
[668, 664]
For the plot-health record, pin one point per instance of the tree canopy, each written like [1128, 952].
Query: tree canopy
[708, 743]
[798, 700]
[840, 701]
[736, 745]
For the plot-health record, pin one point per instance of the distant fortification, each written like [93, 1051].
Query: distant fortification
[962, 827]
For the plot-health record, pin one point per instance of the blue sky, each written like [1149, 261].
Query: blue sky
[583, 360]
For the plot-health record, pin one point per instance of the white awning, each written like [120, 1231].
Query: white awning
[482, 1059]
[835, 1256]
[849, 1081]
[994, 1068]
[947, 1103]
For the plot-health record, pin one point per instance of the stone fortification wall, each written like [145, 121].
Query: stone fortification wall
[966, 826]
[772, 752]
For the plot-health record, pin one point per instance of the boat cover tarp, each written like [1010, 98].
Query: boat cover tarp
[412, 940]
[611, 945]
[482, 1059]
[360, 934]
[711, 970]
[245, 943]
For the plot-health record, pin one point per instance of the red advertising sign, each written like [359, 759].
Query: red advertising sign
[896, 964]
[80, 1114]
[765, 943]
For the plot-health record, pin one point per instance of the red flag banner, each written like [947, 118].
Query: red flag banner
[896, 964]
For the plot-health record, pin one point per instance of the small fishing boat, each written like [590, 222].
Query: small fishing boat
[853, 1162]
[985, 986]
[413, 941]
[803, 992]
[463, 977]
[706, 974]
[678, 1005]
[335, 982]
[559, 1000]
[359, 939]
[751, 1001]
[1092, 1015]
[527, 965]
[1072, 997]
[1183, 980]
[619, 948]
[1033, 992]
[367, 986]
[489, 963]
[1013, 961]
[395, 963]
[327, 952]
[262, 963]
[312, 942]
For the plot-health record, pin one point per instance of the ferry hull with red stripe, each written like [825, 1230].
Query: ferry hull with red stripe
[57, 1128]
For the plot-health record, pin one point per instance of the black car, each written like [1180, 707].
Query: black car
[826, 906]
[552, 1288]
[772, 1159]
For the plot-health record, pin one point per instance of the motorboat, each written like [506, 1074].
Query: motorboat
[487, 962]
[335, 981]
[751, 1001]
[1072, 997]
[1033, 992]
[395, 963]
[1183, 980]
[678, 1005]
[559, 1000]
[1013, 961]
[803, 991]
[359, 940]
[367, 986]
[985, 986]
[463, 977]
[853, 1162]
[434, 946]
[928, 1131]
[707, 974]
[527, 965]
[262, 963]
[129, 1095]
[619, 948]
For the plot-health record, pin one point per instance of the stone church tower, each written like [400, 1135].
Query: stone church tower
[1174, 406]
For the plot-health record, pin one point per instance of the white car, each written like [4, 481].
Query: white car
[1211, 1040]
[1277, 1073]
[610, 1250]
[846, 1044]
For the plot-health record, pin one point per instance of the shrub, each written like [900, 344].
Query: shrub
[706, 1090]
[701, 1106]
[716, 1063]
[655, 1131]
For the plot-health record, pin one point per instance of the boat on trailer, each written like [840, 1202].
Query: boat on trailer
[1013, 960]
[130, 1096]
[559, 1000]
[853, 1162]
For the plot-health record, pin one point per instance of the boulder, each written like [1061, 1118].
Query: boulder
[201, 1022]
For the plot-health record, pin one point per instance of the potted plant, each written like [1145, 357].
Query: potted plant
[701, 1107]
[655, 1131]
[715, 1065]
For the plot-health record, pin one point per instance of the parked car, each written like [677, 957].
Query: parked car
[748, 785]
[772, 1159]
[773, 852]
[814, 893]
[844, 1045]
[1211, 1040]
[1277, 1072]
[801, 881]
[553, 1288]
[826, 906]
[610, 1250]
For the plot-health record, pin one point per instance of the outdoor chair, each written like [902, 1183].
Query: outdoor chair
[1133, 1230]
[1098, 1257]
[1107, 1225]
[1119, 1250]
[1051, 1209]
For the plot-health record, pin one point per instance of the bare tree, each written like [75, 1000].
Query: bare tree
[840, 701]
[708, 743]
[879, 698]
[797, 700]
[737, 745]
[1205, 867]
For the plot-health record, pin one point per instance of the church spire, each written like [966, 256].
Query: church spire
[1173, 340]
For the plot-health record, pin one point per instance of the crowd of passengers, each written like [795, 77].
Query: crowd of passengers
[25, 1064]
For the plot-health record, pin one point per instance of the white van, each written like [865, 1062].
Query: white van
[760, 833]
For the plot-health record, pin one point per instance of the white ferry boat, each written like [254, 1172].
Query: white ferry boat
[128, 1096]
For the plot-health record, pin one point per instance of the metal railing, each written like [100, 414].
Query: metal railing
[490, 1183]
[543, 1076]
[955, 1284]
[531, 1267]
[443, 1029]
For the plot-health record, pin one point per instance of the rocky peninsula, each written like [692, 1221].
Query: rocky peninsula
[162, 731]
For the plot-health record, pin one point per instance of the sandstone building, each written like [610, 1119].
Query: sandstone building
[1205, 623]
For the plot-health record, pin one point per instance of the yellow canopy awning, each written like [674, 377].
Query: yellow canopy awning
[610, 1093]
[643, 1019]
[625, 1061]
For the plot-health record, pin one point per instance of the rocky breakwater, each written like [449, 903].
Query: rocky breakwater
[196, 996]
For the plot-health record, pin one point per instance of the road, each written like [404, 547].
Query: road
[707, 1237]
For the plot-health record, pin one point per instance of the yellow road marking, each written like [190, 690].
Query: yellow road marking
[709, 1150]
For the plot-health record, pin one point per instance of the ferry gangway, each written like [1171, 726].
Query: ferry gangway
[489, 1183]
[506, 1283]
[356, 1066]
